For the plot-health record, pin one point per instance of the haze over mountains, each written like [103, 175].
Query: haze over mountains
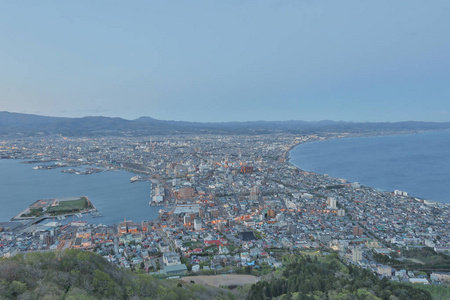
[27, 124]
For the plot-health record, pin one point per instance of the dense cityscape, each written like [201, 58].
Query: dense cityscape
[257, 150]
[228, 204]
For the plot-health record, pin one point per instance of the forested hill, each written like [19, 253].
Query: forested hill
[26, 124]
[80, 275]
[85, 275]
[306, 278]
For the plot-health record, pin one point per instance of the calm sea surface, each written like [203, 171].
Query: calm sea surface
[111, 192]
[418, 164]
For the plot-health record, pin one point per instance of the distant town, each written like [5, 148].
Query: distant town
[230, 203]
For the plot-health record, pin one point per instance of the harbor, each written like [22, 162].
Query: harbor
[110, 192]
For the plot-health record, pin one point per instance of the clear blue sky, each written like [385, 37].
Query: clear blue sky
[229, 60]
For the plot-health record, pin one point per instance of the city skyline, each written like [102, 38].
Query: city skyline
[227, 61]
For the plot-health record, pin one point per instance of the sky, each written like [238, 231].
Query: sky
[226, 60]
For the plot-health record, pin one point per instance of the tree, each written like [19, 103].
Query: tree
[103, 284]
[15, 289]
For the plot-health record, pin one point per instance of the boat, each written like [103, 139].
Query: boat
[96, 214]
[137, 178]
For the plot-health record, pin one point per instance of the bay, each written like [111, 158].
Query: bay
[110, 192]
[416, 163]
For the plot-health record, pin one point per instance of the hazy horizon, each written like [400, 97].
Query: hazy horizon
[225, 61]
[231, 121]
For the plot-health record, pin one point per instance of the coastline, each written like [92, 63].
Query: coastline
[106, 190]
[289, 161]
[287, 154]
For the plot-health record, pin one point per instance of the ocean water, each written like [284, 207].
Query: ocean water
[416, 163]
[111, 192]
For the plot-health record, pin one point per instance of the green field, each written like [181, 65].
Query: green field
[34, 212]
[70, 206]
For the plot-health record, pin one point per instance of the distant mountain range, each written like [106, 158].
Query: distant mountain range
[13, 124]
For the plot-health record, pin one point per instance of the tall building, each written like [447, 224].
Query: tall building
[400, 193]
[231, 222]
[221, 226]
[271, 213]
[331, 202]
[357, 231]
[49, 240]
[356, 255]
[197, 224]
[254, 193]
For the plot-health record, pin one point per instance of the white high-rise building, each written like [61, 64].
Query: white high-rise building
[400, 193]
[331, 201]
[197, 224]
[356, 255]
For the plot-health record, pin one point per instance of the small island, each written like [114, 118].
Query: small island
[48, 208]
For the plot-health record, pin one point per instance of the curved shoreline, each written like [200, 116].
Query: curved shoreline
[378, 189]
[109, 204]
[287, 154]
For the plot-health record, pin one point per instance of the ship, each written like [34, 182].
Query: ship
[134, 178]
[137, 178]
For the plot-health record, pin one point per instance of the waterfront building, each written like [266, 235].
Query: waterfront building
[400, 193]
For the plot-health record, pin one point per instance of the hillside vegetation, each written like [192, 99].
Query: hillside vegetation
[425, 259]
[327, 278]
[85, 275]
[79, 274]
